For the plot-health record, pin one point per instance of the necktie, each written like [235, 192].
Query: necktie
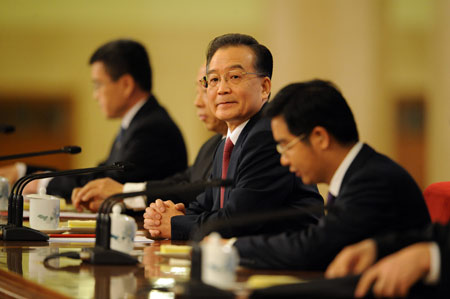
[120, 137]
[225, 161]
[330, 199]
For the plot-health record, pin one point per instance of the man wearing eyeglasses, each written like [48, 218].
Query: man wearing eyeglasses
[238, 82]
[369, 194]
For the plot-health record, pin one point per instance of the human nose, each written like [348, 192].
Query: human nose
[223, 86]
[283, 160]
[198, 101]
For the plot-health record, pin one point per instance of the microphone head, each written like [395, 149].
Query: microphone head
[71, 149]
[7, 128]
[125, 166]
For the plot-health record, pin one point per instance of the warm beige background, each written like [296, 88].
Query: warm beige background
[375, 50]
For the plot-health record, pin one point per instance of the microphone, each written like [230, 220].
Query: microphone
[65, 150]
[102, 252]
[6, 129]
[14, 230]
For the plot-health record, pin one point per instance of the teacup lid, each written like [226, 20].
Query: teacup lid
[116, 209]
[117, 213]
[42, 195]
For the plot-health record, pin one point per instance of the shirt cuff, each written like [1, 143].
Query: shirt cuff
[135, 203]
[21, 169]
[435, 265]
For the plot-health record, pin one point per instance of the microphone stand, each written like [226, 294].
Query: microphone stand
[102, 252]
[14, 230]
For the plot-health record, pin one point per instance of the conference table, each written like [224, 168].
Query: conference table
[24, 275]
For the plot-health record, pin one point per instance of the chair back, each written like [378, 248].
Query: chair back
[437, 198]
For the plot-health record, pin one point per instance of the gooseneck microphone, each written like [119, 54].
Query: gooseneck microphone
[4, 128]
[65, 150]
[102, 252]
[14, 230]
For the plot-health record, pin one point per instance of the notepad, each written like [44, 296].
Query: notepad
[81, 223]
[167, 249]
[265, 281]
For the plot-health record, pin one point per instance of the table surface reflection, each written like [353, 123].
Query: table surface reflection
[24, 273]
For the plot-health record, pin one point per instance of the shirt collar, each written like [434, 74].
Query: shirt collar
[236, 132]
[338, 176]
[128, 117]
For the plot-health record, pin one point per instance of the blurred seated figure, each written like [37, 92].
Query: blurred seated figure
[148, 138]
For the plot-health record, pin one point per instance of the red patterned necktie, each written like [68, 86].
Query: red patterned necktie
[225, 161]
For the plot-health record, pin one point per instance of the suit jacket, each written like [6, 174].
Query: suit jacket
[436, 232]
[260, 184]
[200, 170]
[376, 196]
[152, 142]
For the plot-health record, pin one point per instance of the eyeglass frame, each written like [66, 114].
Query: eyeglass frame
[204, 81]
[282, 149]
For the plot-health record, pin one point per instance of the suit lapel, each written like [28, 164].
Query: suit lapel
[116, 152]
[360, 160]
[237, 150]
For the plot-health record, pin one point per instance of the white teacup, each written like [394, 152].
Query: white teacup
[123, 230]
[44, 211]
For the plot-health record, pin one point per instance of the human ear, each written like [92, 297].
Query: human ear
[320, 137]
[266, 88]
[128, 84]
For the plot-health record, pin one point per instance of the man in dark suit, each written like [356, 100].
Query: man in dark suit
[406, 262]
[238, 86]
[96, 191]
[148, 137]
[369, 193]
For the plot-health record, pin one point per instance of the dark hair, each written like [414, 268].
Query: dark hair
[263, 61]
[122, 57]
[314, 103]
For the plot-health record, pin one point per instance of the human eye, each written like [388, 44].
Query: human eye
[213, 80]
[235, 76]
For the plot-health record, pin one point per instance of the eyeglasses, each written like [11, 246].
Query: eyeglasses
[281, 149]
[234, 77]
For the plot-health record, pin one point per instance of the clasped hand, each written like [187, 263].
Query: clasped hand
[157, 217]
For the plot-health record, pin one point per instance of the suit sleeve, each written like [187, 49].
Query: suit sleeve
[182, 178]
[359, 212]
[261, 183]
[200, 170]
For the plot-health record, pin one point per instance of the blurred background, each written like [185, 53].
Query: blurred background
[391, 59]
